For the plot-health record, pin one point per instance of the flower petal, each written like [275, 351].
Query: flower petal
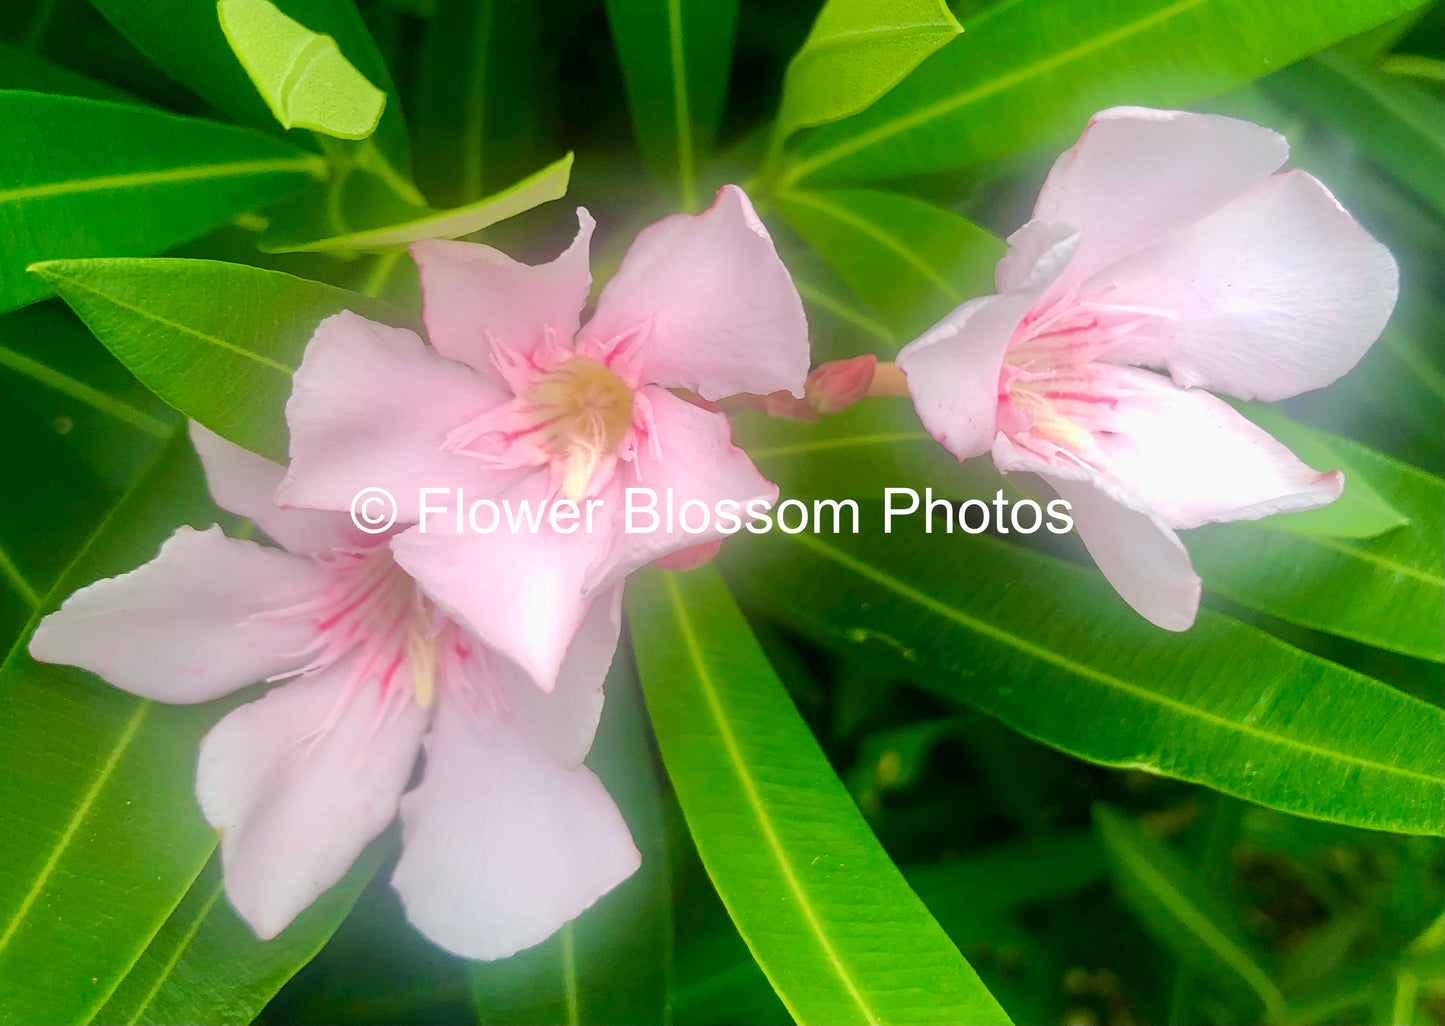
[1136, 175]
[295, 808]
[519, 591]
[717, 307]
[565, 721]
[1192, 459]
[1137, 552]
[953, 371]
[501, 845]
[694, 460]
[473, 295]
[1277, 293]
[245, 484]
[188, 626]
[371, 407]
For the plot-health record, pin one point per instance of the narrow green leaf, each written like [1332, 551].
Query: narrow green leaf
[628, 935]
[217, 341]
[856, 52]
[543, 186]
[206, 965]
[185, 40]
[829, 918]
[1051, 651]
[675, 58]
[910, 260]
[21, 69]
[1396, 125]
[1181, 909]
[143, 181]
[103, 837]
[303, 76]
[1015, 80]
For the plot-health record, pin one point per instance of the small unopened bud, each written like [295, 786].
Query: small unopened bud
[836, 385]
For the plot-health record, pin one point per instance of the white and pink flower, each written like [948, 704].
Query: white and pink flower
[516, 396]
[506, 837]
[1168, 241]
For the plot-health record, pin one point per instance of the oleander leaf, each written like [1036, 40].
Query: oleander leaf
[830, 919]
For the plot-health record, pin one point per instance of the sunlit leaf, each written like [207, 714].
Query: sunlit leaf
[303, 76]
[217, 341]
[142, 182]
[827, 915]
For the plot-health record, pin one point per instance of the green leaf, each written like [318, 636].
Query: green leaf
[628, 935]
[829, 918]
[21, 69]
[1050, 650]
[911, 261]
[142, 182]
[102, 835]
[206, 965]
[185, 40]
[304, 77]
[480, 97]
[675, 57]
[1395, 124]
[856, 52]
[1387, 590]
[1181, 909]
[546, 185]
[1015, 80]
[217, 341]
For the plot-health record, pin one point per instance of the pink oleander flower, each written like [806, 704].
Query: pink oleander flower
[1163, 240]
[506, 837]
[517, 397]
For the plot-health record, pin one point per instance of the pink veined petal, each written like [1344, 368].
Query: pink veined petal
[696, 461]
[474, 296]
[245, 484]
[1136, 551]
[564, 721]
[501, 845]
[188, 626]
[1136, 175]
[519, 591]
[1037, 254]
[295, 808]
[1192, 459]
[716, 308]
[953, 371]
[371, 407]
[1277, 293]
[690, 558]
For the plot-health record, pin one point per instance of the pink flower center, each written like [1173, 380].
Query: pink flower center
[582, 412]
[1057, 390]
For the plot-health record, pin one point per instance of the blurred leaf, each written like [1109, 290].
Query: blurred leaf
[613, 963]
[543, 186]
[1048, 648]
[1395, 124]
[206, 965]
[184, 39]
[304, 77]
[1181, 909]
[138, 181]
[96, 784]
[856, 52]
[1008, 875]
[675, 57]
[1387, 590]
[890, 760]
[911, 261]
[1016, 80]
[21, 69]
[477, 118]
[827, 915]
[217, 341]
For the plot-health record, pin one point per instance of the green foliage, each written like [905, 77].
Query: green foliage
[217, 341]
[304, 77]
[829, 919]
[143, 182]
